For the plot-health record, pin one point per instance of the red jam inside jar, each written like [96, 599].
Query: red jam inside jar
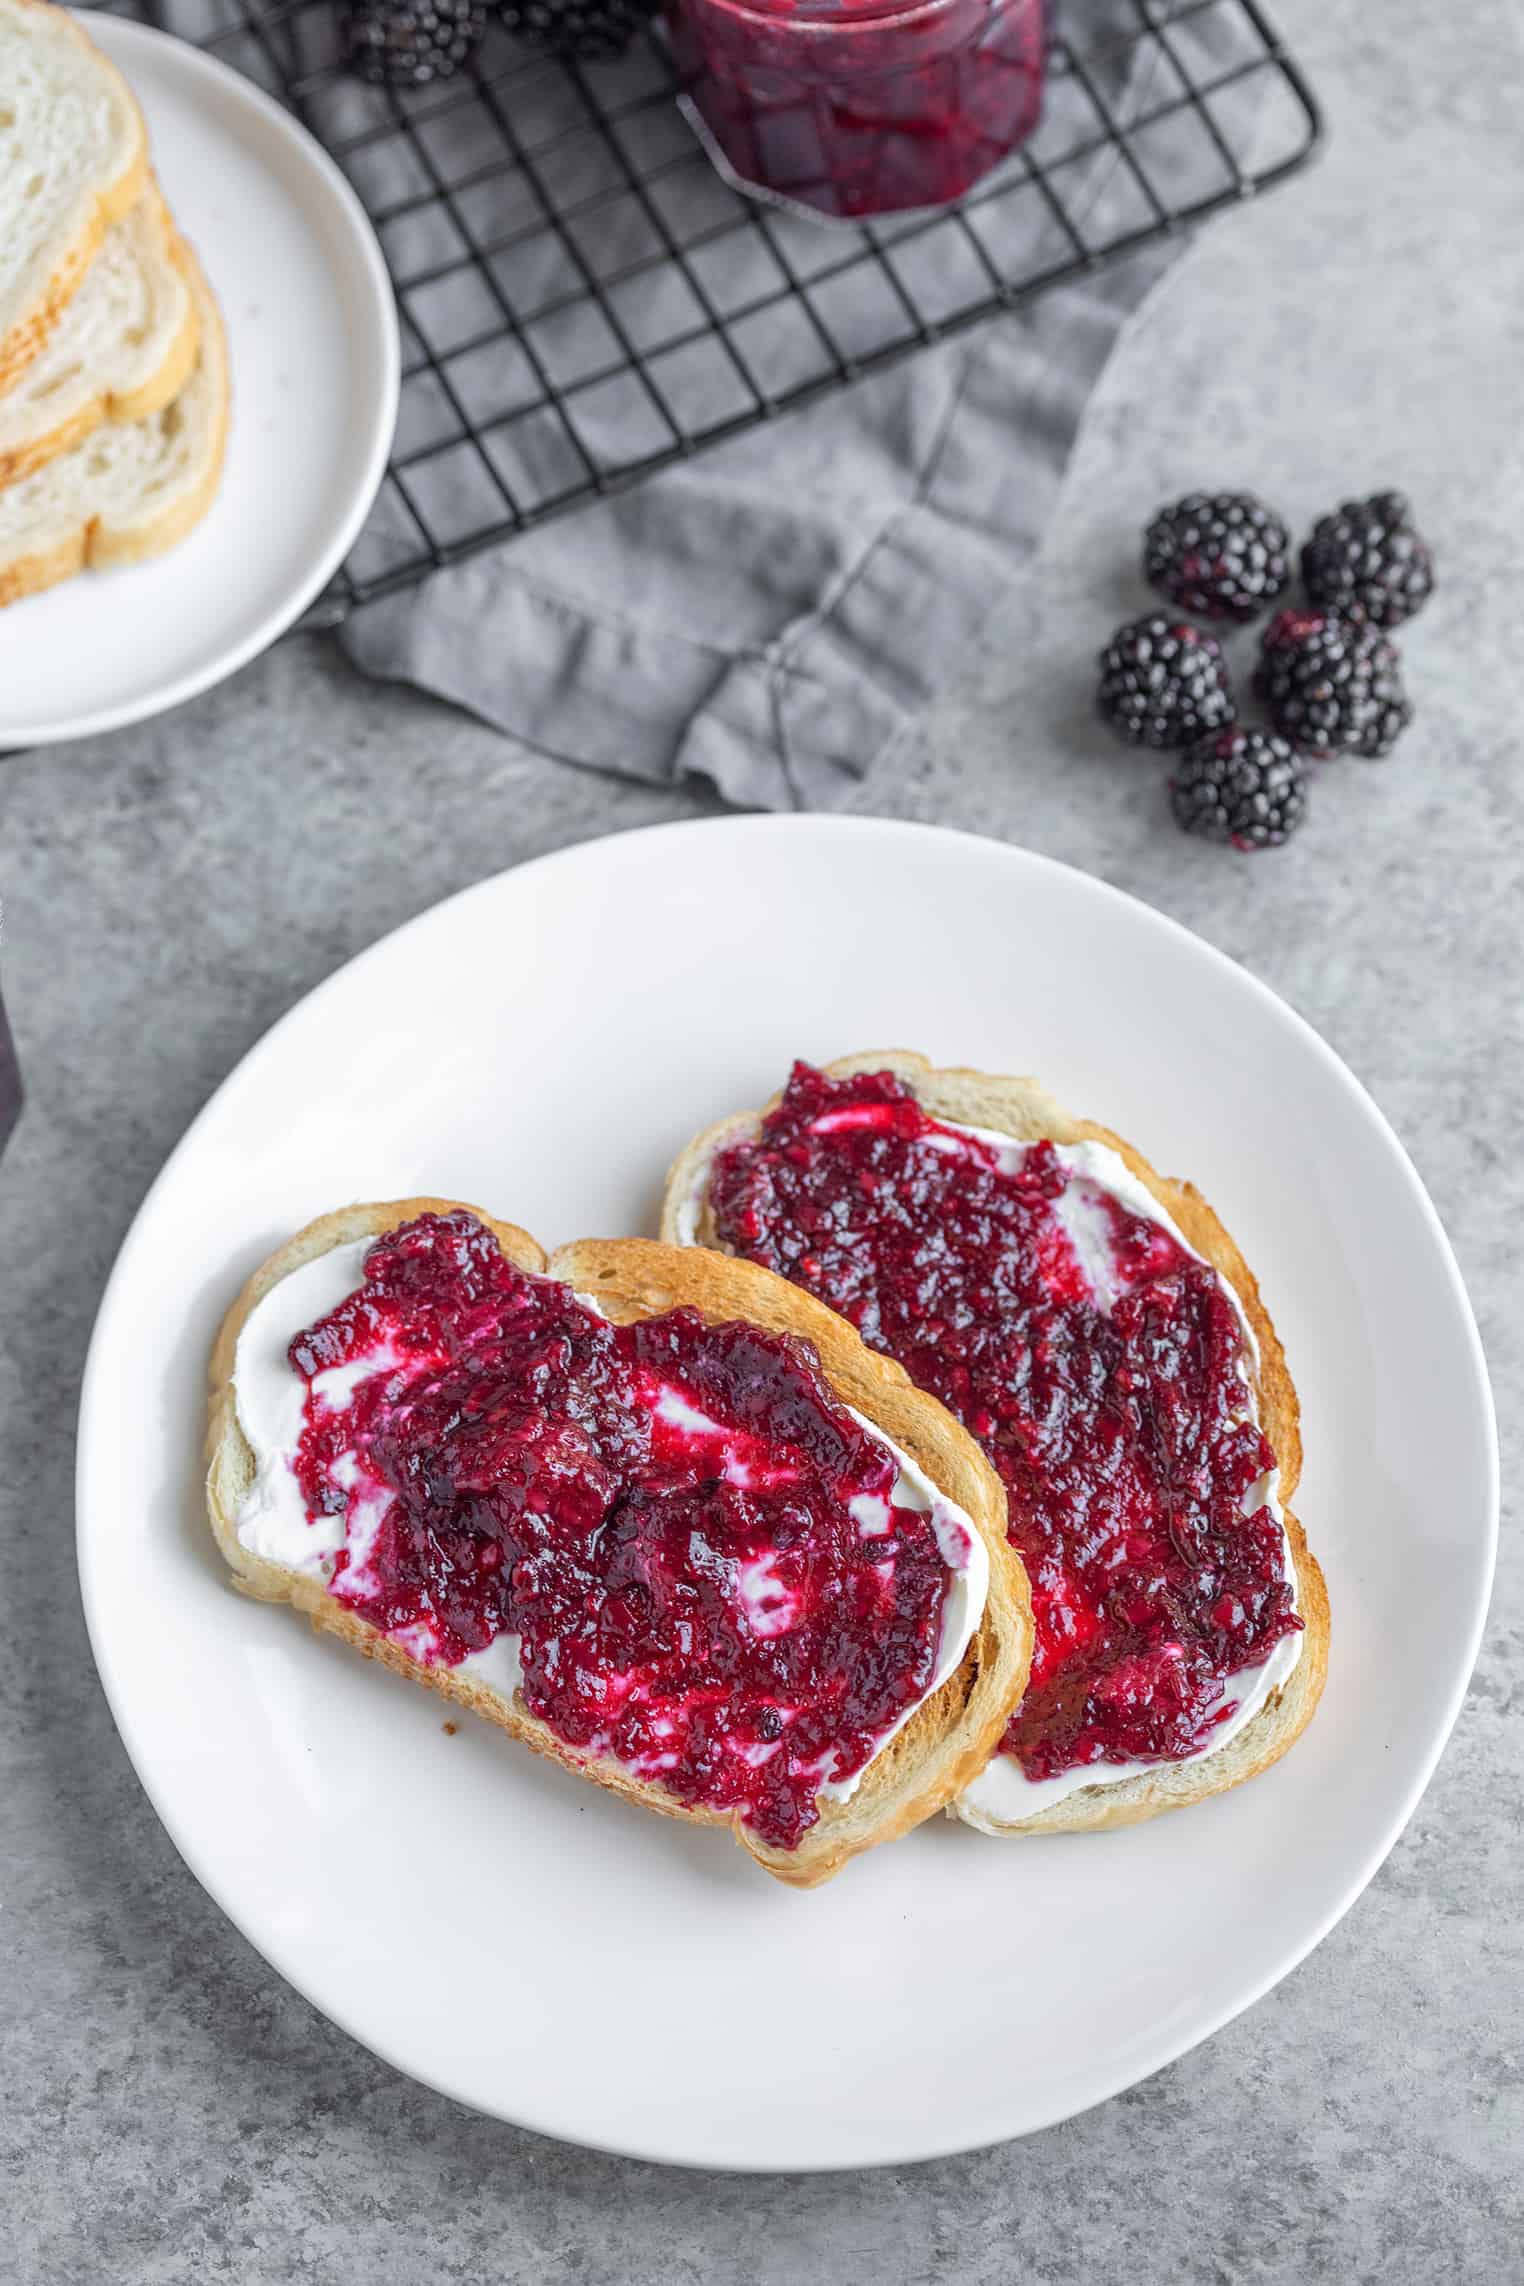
[858, 107]
[662, 1513]
[1116, 1419]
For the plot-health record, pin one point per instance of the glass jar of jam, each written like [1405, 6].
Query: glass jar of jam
[861, 107]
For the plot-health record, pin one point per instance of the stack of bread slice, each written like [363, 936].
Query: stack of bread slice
[113, 364]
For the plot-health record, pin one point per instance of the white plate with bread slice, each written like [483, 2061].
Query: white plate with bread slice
[518, 1479]
[198, 371]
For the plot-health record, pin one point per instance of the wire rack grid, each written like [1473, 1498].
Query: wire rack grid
[584, 301]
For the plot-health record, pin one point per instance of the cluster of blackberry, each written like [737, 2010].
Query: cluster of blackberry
[1329, 675]
[412, 43]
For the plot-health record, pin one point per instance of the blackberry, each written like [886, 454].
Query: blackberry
[588, 31]
[1163, 683]
[1221, 555]
[1368, 561]
[1239, 786]
[1332, 685]
[409, 43]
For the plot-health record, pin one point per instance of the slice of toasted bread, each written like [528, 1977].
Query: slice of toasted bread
[122, 349]
[133, 489]
[1023, 1110]
[73, 159]
[951, 1734]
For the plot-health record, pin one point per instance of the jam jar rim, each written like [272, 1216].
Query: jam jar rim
[843, 22]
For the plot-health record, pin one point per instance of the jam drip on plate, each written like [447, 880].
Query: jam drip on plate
[1098, 1362]
[698, 1547]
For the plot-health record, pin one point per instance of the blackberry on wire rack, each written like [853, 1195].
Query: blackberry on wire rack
[411, 43]
[581, 31]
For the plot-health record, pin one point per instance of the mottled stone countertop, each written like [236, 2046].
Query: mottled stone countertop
[170, 2112]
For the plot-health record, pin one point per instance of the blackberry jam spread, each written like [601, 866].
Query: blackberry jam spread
[715, 1572]
[1099, 1362]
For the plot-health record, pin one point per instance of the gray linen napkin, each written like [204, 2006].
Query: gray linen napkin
[772, 615]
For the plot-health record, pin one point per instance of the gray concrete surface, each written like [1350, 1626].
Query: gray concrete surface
[169, 2113]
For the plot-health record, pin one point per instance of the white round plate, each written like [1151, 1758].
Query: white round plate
[312, 340]
[541, 1045]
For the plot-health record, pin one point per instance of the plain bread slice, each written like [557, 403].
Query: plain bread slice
[122, 349]
[133, 488]
[73, 158]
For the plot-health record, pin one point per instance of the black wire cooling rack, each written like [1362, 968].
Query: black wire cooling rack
[584, 301]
